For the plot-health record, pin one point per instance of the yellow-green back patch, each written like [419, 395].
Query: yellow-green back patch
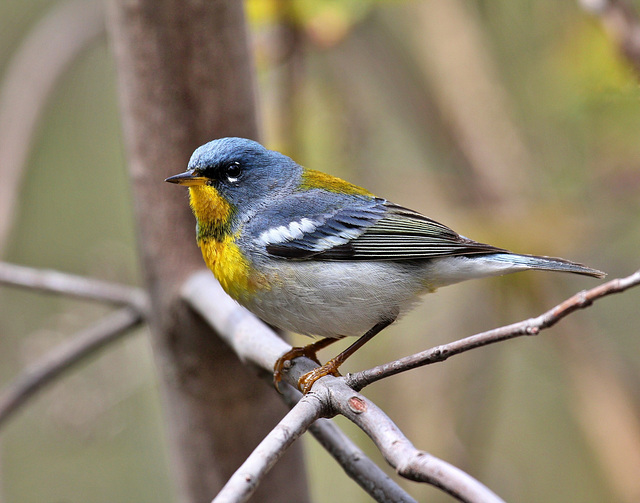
[312, 179]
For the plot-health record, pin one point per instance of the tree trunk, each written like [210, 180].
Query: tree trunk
[185, 77]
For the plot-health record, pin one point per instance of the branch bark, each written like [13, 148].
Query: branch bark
[245, 480]
[256, 343]
[185, 76]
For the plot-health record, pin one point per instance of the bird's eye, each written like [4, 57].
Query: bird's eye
[232, 171]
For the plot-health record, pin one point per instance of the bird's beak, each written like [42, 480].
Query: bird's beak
[188, 178]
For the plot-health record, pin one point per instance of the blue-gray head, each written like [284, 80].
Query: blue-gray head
[240, 170]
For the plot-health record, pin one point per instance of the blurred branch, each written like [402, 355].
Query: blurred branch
[254, 342]
[72, 285]
[460, 68]
[30, 78]
[532, 326]
[290, 68]
[44, 371]
[621, 22]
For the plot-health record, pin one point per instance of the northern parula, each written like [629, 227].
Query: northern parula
[314, 254]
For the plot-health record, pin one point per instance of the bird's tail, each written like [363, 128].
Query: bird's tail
[544, 264]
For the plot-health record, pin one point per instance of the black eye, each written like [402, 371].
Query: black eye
[232, 171]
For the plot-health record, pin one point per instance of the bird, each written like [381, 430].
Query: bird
[311, 253]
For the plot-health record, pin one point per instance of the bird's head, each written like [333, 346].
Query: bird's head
[232, 175]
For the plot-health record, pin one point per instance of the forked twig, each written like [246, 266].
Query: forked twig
[350, 457]
[255, 342]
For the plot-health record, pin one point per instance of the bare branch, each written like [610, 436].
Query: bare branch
[351, 458]
[532, 326]
[72, 285]
[357, 464]
[44, 371]
[246, 479]
[30, 78]
[464, 79]
[621, 22]
[255, 342]
[408, 461]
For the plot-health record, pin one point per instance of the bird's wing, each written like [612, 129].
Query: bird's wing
[372, 229]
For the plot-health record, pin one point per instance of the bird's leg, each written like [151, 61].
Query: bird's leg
[331, 367]
[309, 351]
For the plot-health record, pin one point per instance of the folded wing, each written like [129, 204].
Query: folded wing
[368, 230]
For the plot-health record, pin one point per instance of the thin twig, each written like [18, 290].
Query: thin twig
[532, 326]
[246, 479]
[247, 335]
[72, 285]
[44, 371]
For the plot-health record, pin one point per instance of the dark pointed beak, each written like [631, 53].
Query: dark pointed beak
[188, 178]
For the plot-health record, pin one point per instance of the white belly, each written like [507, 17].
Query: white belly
[335, 299]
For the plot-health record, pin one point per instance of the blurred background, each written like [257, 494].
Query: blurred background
[514, 122]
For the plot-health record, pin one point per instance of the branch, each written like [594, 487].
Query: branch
[400, 453]
[350, 457]
[532, 326]
[44, 371]
[245, 480]
[253, 341]
[74, 286]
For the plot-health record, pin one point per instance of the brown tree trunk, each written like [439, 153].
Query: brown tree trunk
[186, 77]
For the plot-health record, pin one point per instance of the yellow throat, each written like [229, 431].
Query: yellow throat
[217, 243]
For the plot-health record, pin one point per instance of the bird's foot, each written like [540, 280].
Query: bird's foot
[306, 381]
[284, 362]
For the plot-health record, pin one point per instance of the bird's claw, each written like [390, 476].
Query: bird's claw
[283, 364]
[305, 383]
